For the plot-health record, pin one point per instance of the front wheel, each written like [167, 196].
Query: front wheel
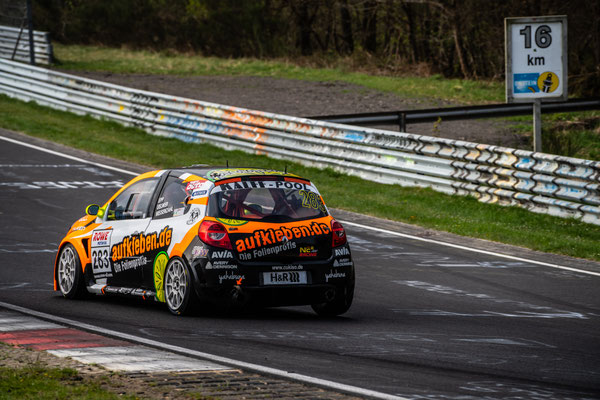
[340, 303]
[69, 274]
[179, 293]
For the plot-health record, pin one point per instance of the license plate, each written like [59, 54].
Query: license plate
[284, 278]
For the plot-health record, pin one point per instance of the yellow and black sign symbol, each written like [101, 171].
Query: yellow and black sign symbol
[547, 82]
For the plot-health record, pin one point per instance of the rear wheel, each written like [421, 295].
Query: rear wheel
[179, 293]
[69, 274]
[339, 304]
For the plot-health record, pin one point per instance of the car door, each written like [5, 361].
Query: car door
[118, 245]
[168, 225]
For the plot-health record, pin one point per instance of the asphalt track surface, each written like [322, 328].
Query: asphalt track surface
[429, 321]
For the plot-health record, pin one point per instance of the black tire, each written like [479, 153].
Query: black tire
[69, 274]
[179, 291]
[340, 303]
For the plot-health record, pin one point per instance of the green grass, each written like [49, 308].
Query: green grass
[573, 134]
[40, 383]
[424, 207]
[91, 58]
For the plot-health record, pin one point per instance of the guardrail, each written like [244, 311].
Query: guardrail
[404, 117]
[14, 45]
[561, 186]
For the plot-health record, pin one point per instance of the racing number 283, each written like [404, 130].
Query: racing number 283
[100, 261]
[311, 200]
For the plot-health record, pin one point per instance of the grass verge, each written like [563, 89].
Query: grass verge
[37, 382]
[424, 207]
[93, 58]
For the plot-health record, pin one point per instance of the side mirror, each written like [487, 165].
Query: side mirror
[92, 209]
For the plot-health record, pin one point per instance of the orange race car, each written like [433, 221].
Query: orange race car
[230, 236]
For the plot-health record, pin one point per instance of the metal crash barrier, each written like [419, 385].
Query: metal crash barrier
[14, 44]
[544, 183]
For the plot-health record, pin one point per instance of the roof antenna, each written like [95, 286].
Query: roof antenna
[285, 171]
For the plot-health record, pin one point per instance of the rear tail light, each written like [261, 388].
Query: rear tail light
[339, 234]
[214, 234]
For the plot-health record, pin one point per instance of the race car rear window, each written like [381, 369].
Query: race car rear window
[269, 201]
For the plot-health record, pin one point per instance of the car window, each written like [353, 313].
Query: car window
[172, 199]
[267, 204]
[133, 202]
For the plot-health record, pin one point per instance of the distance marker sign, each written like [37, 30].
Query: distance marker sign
[536, 58]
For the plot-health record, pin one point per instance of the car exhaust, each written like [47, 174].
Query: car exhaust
[238, 296]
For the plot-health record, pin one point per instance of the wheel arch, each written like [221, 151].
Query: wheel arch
[82, 253]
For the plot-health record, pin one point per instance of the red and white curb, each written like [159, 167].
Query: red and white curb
[113, 354]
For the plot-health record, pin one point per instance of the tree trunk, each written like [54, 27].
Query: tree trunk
[346, 21]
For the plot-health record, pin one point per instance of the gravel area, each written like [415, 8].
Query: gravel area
[306, 98]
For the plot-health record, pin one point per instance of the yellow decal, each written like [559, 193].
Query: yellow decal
[160, 263]
[547, 82]
[231, 222]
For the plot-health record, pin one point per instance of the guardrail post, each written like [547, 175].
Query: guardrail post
[402, 122]
[537, 125]
[30, 27]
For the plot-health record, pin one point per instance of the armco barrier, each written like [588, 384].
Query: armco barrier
[561, 186]
[14, 37]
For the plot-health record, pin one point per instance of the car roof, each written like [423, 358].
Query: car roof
[216, 174]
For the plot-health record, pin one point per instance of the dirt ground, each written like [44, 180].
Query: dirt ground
[307, 99]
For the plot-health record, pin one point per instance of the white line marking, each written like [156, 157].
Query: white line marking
[457, 246]
[404, 235]
[207, 356]
[18, 322]
[56, 153]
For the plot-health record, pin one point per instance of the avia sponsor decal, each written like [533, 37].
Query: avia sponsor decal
[101, 238]
[231, 222]
[134, 245]
[342, 251]
[220, 265]
[231, 277]
[308, 251]
[266, 251]
[265, 237]
[199, 252]
[126, 265]
[342, 262]
[334, 275]
[221, 254]
[160, 263]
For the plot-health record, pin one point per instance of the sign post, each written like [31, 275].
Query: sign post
[536, 64]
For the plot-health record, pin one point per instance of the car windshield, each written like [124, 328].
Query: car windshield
[267, 202]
